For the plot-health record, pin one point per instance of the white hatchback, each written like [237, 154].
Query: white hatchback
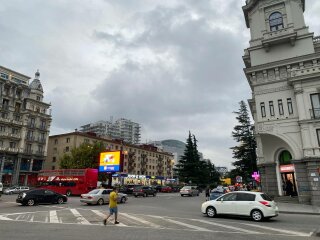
[256, 205]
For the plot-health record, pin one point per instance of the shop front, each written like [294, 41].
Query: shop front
[287, 174]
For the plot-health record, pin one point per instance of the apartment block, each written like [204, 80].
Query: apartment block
[24, 127]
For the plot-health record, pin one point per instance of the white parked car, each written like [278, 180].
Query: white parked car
[16, 189]
[256, 205]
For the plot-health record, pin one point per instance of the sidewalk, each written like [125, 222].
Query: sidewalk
[297, 208]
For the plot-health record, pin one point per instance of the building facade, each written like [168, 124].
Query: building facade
[122, 128]
[142, 163]
[24, 127]
[282, 66]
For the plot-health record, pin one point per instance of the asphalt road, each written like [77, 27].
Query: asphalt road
[166, 216]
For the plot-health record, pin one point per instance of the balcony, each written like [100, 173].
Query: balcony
[282, 35]
[39, 153]
[31, 125]
[41, 140]
[30, 138]
[305, 73]
[18, 123]
[4, 120]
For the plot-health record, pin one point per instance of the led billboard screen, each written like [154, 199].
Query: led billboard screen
[110, 161]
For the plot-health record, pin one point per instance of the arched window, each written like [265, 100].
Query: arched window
[285, 158]
[275, 21]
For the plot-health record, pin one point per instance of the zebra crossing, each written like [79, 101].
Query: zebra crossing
[94, 218]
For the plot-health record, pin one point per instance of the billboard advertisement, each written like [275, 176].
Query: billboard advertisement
[110, 161]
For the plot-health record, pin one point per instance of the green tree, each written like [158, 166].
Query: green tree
[84, 156]
[191, 168]
[245, 152]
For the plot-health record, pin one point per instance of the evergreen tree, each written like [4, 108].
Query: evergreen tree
[245, 152]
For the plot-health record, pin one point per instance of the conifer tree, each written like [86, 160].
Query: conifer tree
[245, 152]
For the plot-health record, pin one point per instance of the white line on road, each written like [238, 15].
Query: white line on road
[279, 230]
[187, 225]
[4, 218]
[54, 217]
[79, 217]
[141, 220]
[226, 226]
[100, 214]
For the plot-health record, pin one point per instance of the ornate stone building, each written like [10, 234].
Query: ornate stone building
[283, 70]
[24, 127]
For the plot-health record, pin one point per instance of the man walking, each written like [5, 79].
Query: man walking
[113, 206]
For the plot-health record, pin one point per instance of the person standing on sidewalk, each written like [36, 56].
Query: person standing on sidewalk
[113, 206]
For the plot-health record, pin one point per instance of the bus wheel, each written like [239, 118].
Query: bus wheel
[68, 193]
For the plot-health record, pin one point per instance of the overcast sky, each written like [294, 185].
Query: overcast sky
[170, 65]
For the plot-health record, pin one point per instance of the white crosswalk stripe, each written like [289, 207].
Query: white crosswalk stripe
[79, 217]
[54, 217]
[141, 220]
[226, 226]
[94, 218]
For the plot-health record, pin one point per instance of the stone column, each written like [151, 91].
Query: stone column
[16, 173]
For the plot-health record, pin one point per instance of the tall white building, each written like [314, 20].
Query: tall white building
[283, 70]
[120, 129]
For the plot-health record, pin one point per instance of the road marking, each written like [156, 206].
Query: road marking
[79, 217]
[141, 220]
[53, 217]
[5, 218]
[187, 225]
[279, 230]
[226, 226]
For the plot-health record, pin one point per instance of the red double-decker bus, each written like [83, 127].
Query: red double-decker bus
[69, 181]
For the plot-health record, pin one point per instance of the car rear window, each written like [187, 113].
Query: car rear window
[186, 188]
[266, 197]
[96, 191]
[245, 197]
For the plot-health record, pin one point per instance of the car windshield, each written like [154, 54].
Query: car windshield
[96, 191]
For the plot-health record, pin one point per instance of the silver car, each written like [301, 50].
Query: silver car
[16, 189]
[189, 191]
[101, 196]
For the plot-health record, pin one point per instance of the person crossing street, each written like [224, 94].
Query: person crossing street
[113, 206]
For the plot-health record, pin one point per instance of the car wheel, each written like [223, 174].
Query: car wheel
[68, 193]
[256, 215]
[60, 200]
[31, 202]
[182, 195]
[145, 195]
[211, 212]
[123, 200]
[100, 201]
[135, 195]
[198, 194]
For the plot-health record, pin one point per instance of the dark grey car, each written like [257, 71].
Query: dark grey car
[144, 191]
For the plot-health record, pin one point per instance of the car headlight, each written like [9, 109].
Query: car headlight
[24, 195]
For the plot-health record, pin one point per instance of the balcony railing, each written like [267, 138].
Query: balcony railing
[315, 113]
[316, 39]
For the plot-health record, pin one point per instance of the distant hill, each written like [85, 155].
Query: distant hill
[173, 143]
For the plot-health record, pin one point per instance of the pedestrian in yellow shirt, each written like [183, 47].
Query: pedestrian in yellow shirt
[113, 206]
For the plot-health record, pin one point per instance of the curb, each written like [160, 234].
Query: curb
[304, 213]
[316, 233]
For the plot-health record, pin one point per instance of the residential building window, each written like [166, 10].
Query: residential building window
[2, 128]
[40, 148]
[28, 148]
[15, 131]
[275, 21]
[53, 168]
[38, 98]
[318, 136]
[55, 150]
[86, 140]
[271, 107]
[280, 106]
[43, 124]
[54, 159]
[1, 143]
[263, 109]
[67, 149]
[315, 103]
[56, 141]
[12, 145]
[68, 140]
[290, 108]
